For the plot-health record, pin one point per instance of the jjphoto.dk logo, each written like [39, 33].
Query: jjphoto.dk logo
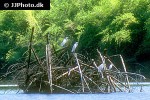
[6, 5]
[15, 5]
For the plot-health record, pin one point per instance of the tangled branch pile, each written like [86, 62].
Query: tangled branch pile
[63, 71]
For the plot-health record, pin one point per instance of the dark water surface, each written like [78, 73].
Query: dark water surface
[13, 94]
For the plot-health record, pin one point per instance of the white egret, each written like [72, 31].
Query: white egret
[110, 66]
[64, 41]
[100, 69]
[74, 47]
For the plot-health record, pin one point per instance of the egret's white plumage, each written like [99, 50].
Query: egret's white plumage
[64, 41]
[110, 66]
[74, 47]
[101, 67]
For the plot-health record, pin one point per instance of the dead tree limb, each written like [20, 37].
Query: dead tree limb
[29, 58]
[48, 62]
[124, 67]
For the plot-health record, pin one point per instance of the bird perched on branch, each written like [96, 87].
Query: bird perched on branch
[64, 41]
[110, 66]
[74, 47]
[100, 69]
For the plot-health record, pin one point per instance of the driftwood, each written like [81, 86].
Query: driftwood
[63, 71]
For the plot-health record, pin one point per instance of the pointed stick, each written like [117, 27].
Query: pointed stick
[48, 61]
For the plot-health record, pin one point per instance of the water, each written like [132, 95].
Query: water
[135, 95]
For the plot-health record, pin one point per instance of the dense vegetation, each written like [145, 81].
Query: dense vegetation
[121, 26]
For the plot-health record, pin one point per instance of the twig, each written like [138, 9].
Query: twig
[63, 88]
[67, 72]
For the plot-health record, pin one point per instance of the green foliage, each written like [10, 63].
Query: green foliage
[113, 24]
[14, 27]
